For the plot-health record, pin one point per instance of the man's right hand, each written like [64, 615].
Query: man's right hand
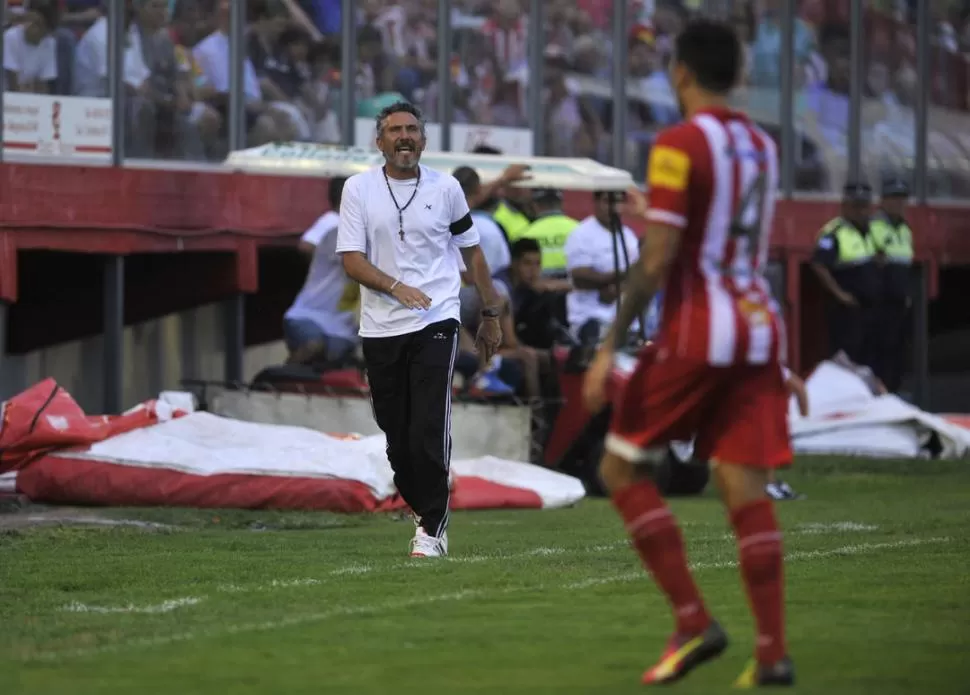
[411, 297]
[515, 173]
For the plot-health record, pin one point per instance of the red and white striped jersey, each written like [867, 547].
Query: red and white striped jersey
[716, 178]
[509, 45]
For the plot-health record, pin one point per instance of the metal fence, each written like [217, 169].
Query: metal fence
[849, 88]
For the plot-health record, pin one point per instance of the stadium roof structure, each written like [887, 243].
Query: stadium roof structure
[309, 159]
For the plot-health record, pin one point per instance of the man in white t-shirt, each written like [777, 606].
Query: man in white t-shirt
[30, 51]
[591, 254]
[494, 243]
[321, 326]
[400, 227]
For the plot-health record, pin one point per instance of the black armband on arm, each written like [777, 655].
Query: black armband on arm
[462, 225]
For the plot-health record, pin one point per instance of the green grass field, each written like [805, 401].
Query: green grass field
[529, 602]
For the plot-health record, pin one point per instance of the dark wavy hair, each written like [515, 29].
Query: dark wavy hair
[398, 107]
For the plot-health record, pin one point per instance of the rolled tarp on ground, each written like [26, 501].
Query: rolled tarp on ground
[163, 454]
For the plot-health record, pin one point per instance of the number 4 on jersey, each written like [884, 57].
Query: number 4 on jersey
[746, 222]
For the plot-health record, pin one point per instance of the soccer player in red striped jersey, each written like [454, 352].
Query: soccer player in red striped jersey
[716, 366]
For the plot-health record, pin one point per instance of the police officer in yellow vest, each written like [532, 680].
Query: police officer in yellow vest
[551, 228]
[847, 263]
[892, 237]
[512, 220]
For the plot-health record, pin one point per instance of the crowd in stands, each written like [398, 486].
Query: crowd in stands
[176, 70]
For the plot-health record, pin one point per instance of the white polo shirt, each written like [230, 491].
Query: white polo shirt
[328, 298]
[590, 245]
[436, 224]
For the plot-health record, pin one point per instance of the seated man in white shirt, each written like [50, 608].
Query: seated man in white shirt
[590, 260]
[321, 326]
[485, 378]
[263, 122]
[30, 51]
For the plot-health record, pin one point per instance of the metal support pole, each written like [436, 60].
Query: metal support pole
[857, 52]
[3, 345]
[348, 73]
[618, 158]
[113, 333]
[444, 73]
[3, 23]
[116, 82]
[921, 337]
[537, 119]
[237, 76]
[235, 337]
[787, 98]
[924, 79]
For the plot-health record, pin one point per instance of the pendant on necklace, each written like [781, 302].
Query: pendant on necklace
[400, 222]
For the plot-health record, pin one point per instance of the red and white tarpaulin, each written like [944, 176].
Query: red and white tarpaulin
[162, 454]
[846, 418]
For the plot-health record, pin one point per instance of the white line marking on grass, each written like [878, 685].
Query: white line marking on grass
[164, 607]
[837, 527]
[351, 569]
[789, 557]
[243, 628]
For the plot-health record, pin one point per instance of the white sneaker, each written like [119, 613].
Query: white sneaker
[423, 545]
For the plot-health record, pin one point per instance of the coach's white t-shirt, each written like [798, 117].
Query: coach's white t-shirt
[436, 224]
[328, 298]
[590, 245]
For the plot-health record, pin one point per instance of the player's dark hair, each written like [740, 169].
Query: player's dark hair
[468, 179]
[335, 192]
[523, 246]
[398, 107]
[712, 51]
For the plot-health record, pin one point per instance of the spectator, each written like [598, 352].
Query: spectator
[507, 34]
[290, 72]
[187, 28]
[494, 243]
[321, 325]
[212, 54]
[597, 258]
[766, 48]
[537, 302]
[158, 105]
[374, 72]
[551, 229]
[830, 103]
[325, 83]
[160, 121]
[30, 51]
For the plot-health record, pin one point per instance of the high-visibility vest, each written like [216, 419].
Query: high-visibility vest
[552, 231]
[512, 221]
[895, 241]
[855, 248]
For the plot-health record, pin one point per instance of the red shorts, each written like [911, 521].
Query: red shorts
[738, 414]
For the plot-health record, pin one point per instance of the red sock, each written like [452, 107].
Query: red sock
[658, 541]
[759, 545]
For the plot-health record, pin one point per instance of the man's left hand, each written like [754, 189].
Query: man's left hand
[489, 337]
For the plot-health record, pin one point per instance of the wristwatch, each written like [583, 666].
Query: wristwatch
[490, 313]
